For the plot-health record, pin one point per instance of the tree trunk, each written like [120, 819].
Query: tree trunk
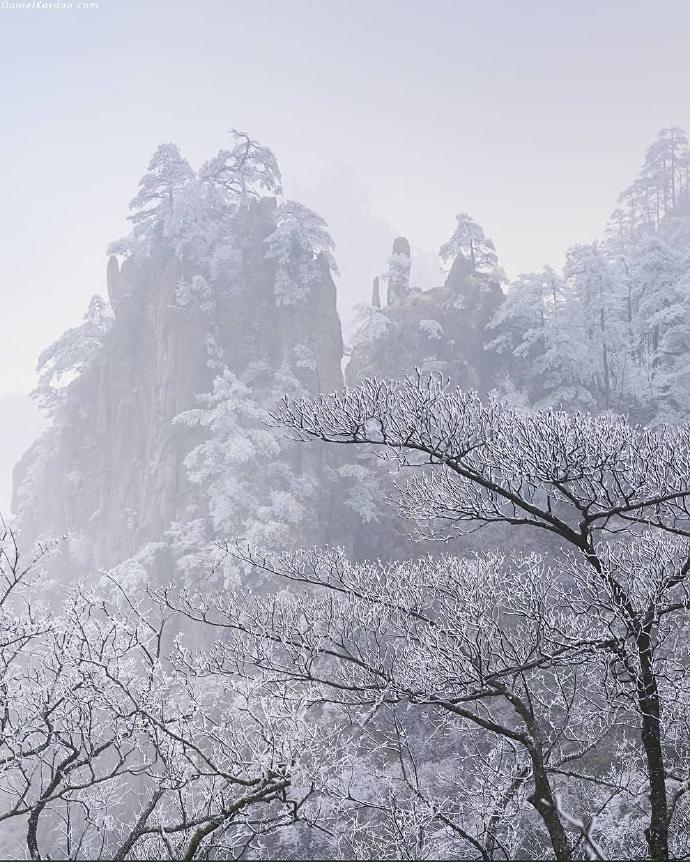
[543, 800]
[604, 352]
[607, 383]
[657, 831]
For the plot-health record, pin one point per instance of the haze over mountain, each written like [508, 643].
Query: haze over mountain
[538, 155]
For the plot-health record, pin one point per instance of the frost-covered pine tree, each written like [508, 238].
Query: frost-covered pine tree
[244, 171]
[168, 172]
[471, 242]
[661, 277]
[656, 191]
[300, 246]
[253, 481]
[595, 287]
[71, 354]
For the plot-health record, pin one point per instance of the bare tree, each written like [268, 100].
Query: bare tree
[482, 642]
[615, 497]
[118, 739]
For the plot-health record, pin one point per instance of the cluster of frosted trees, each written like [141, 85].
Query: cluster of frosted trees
[202, 215]
[611, 332]
[490, 706]
[656, 191]
[118, 742]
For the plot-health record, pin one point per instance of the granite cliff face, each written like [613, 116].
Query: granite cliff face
[110, 471]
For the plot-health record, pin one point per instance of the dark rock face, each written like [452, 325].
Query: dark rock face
[443, 329]
[110, 471]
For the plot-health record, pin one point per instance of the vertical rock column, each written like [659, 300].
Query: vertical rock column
[399, 271]
[376, 294]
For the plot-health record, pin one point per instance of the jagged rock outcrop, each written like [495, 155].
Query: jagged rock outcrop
[110, 471]
[442, 329]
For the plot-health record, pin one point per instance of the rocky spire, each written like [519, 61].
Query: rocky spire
[376, 295]
[399, 271]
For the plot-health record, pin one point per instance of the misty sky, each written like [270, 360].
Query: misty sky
[385, 116]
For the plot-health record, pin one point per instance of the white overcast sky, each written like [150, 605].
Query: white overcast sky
[388, 115]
